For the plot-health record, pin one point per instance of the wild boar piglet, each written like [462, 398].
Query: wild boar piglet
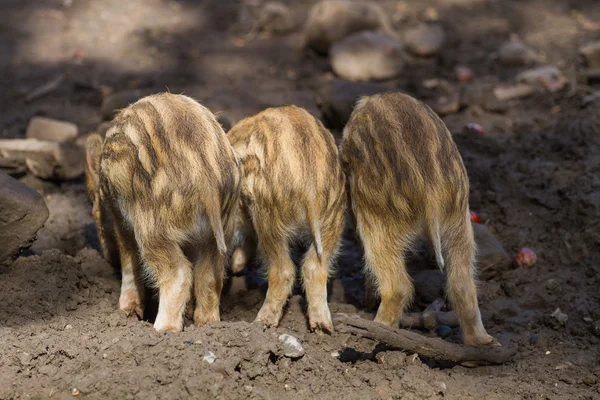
[165, 181]
[407, 179]
[292, 188]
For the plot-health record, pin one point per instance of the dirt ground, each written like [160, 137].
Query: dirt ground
[534, 179]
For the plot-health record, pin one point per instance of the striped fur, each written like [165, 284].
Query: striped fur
[293, 187]
[169, 179]
[406, 179]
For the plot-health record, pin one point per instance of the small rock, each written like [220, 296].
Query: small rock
[491, 257]
[560, 317]
[463, 73]
[515, 52]
[276, 17]
[336, 99]
[533, 339]
[590, 379]
[23, 212]
[209, 357]
[440, 387]
[44, 159]
[291, 346]
[445, 105]
[425, 40]
[549, 77]
[367, 56]
[74, 392]
[114, 102]
[68, 327]
[588, 320]
[443, 331]
[332, 20]
[591, 53]
[505, 93]
[50, 129]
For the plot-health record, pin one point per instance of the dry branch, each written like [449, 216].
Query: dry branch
[433, 348]
[430, 318]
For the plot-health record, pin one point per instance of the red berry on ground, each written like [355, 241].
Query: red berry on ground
[524, 258]
[475, 217]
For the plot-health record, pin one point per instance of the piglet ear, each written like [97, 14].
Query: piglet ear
[93, 148]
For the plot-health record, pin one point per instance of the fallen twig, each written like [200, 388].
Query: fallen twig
[430, 318]
[433, 348]
[46, 88]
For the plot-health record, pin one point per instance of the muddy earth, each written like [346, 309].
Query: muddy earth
[534, 181]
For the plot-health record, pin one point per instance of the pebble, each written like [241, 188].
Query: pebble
[547, 76]
[425, 39]
[51, 129]
[291, 346]
[591, 53]
[367, 56]
[515, 52]
[74, 392]
[561, 317]
[329, 21]
[533, 339]
[209, 357]
[443, 331]
[474, 127]
[505, 93]
[276, 18]
[491, 256]
[445, 105]
[463, 73]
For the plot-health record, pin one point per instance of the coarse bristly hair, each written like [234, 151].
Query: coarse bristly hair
[293, 188]
[406, 179]
[168, 178]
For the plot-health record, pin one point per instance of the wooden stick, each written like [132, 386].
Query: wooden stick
[430, 318]
[433, 348]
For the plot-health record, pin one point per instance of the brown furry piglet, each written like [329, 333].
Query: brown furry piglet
[169, 181]
[407, 178]
[292, 188]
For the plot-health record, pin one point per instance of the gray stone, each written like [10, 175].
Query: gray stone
[209, 357]
[332, 20]
[276, 18]
[541, 75]
[336, 99]
[22, 213]
[367, 56]
[491, 257]
[425, 39]
[114, 102]
[591, 53]
[515, 52]
[291, 346]
[50, 129]
[44, 159]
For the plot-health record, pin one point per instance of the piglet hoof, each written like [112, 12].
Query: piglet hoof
[131, 303]
[483, 341]
[268, 318]
[166, 328]
[320, 322]
[201, 318]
